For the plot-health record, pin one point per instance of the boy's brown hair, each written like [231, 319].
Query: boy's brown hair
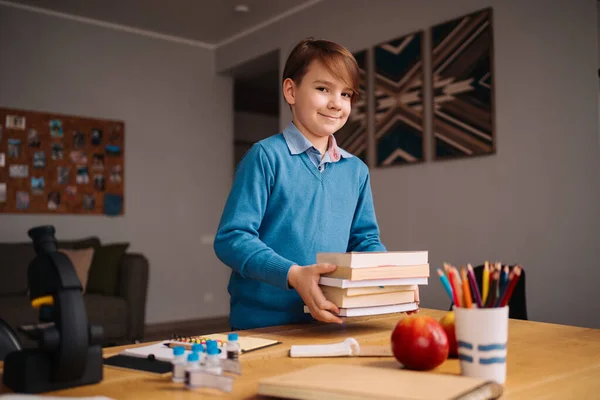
[336, 58]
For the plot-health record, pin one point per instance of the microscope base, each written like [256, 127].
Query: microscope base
[30, 371]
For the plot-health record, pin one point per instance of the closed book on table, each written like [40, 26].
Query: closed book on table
[373, 259]
[380, 299]
[357, 382]
[383, 272]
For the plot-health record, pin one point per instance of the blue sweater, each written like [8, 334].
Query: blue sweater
[281, 211]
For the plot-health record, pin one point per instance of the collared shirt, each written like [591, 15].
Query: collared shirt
[298, 144]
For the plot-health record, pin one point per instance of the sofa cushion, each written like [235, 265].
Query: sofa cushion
[14, 261]
[109, 312]
[104, 272]
[81, 260]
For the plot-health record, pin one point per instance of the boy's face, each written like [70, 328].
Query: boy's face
[321, 103]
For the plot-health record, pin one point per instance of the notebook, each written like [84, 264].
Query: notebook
[356, 382]
[163, 351]
[247, 343]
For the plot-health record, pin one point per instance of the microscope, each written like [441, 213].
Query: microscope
[69, 351]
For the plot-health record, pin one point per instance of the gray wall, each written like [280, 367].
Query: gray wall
[252, 127]
[536, 201]
[179, 132]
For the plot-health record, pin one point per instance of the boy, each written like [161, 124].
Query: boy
[295, 194]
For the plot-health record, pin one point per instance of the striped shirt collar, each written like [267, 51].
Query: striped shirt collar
[298, 143]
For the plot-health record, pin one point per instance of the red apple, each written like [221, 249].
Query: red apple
[447, 323]
[419, 343]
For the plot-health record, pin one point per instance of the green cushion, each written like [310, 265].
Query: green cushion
[104, 271]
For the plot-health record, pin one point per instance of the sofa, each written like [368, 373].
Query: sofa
[114, 294]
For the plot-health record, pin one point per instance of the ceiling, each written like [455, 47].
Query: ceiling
[209, 22]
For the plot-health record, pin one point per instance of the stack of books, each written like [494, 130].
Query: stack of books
[372, 283]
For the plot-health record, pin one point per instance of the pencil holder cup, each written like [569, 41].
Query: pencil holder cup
[482, 339]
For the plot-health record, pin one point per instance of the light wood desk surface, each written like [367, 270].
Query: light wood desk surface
[545, 361]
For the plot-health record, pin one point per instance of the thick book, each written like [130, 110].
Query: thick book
[369, 300]
[364, 291]
[358, 382]
[375, 310]
[374, 259]
[383, 272]
[346, 283]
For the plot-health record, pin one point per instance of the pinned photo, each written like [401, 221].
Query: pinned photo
[71, 192]
[22, 200]
[98, 162]
[113, 150]
[2, 160]
[18, 171]
[33, 138]
[39, 159]
[63, 175]
[15, 122]
[115, 134]
[58, 151]
[89, 202]
[99, 182]
[56, 129]
[37, 185]
[115, 174]
[2, 192]
[78, 157]
[53, 200]
[113, 204]
[96, 136]
[82, 175]
[78, 140]
[14, 148]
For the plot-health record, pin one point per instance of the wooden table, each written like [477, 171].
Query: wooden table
[544, 361]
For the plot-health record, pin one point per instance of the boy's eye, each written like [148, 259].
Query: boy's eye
[322, 89]
[349, 95]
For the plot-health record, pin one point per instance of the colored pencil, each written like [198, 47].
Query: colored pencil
[511, 287]
[497, 286]
[459, 291]
[454, 286]
[465, 288]
[504, 282]
[446, 284]
[474, 287]
[494, 278]
[446, 268]
[485, 285]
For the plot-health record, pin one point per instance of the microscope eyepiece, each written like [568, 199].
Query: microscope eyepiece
[43, 238]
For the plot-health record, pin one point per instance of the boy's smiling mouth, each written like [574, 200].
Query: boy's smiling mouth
[329, 117]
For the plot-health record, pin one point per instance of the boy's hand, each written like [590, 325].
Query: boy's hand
[306, 282]
[417, 301]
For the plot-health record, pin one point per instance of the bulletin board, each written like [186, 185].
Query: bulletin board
[61, 164]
